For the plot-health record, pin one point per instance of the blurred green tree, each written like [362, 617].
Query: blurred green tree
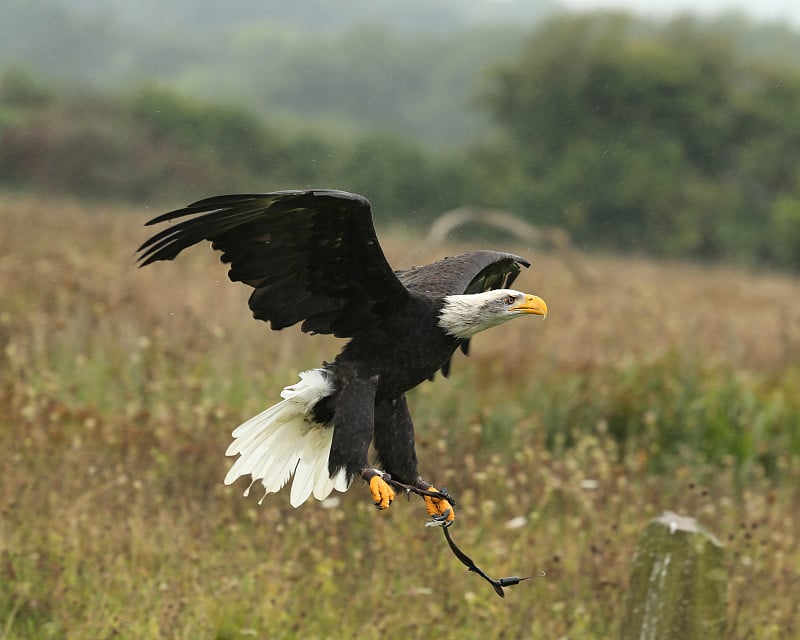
[648, 136]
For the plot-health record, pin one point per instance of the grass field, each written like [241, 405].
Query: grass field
[664, 385]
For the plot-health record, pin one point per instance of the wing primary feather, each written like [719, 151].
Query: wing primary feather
[310, 256]
[168, 243]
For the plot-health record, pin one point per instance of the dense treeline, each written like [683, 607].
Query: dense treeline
[410, 68]
[665, 138]
[155, 145]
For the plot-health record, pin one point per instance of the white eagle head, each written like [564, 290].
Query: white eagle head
[462, 316]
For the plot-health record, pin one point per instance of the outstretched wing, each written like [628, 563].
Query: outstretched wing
[309, 255]
[473, 272]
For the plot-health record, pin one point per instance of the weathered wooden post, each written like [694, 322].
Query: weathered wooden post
[678, 583]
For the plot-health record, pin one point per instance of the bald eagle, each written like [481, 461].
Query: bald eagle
[313, 257]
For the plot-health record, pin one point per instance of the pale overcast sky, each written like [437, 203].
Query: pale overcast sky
[788, 10]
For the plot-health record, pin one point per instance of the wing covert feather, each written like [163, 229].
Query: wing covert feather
[473, 272]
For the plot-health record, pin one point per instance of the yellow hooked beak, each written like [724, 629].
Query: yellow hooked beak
[532, 304]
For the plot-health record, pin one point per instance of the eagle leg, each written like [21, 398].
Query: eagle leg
[394, 442]
[382, 492]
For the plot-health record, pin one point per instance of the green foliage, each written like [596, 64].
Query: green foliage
[155, 143]
[21, 89]
[19, 92]
[717, 414]
[409, 69]
[234, 133]
[784, 236]
[670, 409]
[669, 138]
[653, 137]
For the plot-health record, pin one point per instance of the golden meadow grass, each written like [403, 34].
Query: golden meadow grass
[655, 386]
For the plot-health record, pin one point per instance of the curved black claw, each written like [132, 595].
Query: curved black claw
[441, 520]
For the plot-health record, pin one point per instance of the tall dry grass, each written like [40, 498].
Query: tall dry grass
[660, 385]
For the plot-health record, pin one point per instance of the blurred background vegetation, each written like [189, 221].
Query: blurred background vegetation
[676, 138]
[660, 381]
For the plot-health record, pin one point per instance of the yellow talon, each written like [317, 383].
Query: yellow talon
[438, 507]
[382, 493]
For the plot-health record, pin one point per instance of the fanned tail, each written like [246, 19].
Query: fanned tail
[285, 440]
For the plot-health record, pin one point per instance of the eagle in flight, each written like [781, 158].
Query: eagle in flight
[313, 257]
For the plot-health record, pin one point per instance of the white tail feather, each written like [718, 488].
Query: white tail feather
[285, 440]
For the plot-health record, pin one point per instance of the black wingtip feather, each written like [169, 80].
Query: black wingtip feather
[525, 263]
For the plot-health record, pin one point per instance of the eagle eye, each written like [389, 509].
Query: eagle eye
[509, 299]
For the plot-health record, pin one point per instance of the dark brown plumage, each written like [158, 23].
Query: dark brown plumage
[313, 257]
